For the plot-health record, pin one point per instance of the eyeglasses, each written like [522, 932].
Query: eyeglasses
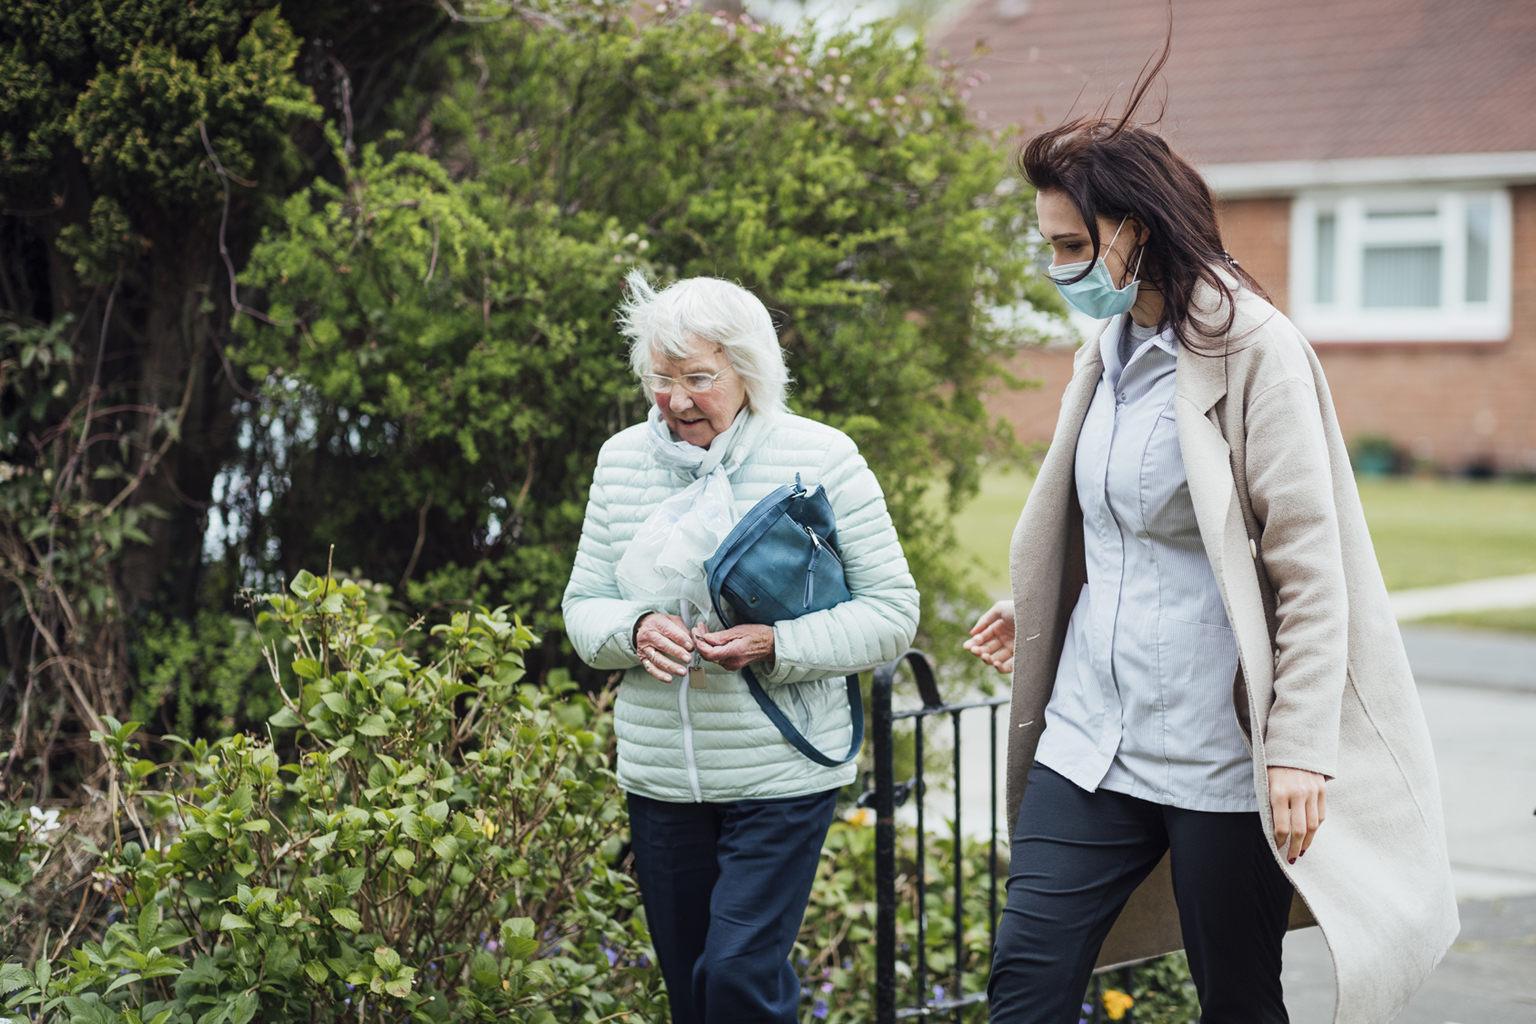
[693, 383]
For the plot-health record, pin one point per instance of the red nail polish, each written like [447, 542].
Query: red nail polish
[1293, 860]
[1303, 853]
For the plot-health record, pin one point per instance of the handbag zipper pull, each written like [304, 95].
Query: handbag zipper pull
[810, 569]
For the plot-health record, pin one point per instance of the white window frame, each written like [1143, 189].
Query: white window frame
[1345, 319]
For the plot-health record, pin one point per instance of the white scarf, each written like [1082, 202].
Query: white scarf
[664, 563]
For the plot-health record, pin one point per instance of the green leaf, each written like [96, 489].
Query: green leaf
[284, 718]
[446, 847]
[352, 879]
[259, 825]
[404, 858]
[14, 976]
[232, 922]
[347, 918]
[438, 811]
[309, 668]
[126, 979]
[373, 725]
[386, 958]
[245, 1008]
[416, 775]
[521, 948]
[337, 703]
[316, 971]
[304, 584]
[332, 605]
[149, 923]
[43, 971]
[322, 844]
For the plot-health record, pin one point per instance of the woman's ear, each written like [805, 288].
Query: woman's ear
[1142, 231]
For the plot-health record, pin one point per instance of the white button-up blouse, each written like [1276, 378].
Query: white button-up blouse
[1143, 698]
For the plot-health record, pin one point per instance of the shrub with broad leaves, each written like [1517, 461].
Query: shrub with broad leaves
[420, 835]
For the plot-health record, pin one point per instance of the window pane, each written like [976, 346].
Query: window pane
[1401, 275]
[1479, 223]
[1325, 262]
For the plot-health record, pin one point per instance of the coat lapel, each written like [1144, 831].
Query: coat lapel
[1199, 385]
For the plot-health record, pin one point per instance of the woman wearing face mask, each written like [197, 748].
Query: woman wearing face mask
[1205, 664]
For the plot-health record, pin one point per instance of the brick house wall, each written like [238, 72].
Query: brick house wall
[1458, 404]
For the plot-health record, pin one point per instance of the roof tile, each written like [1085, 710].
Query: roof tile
[1259, 80]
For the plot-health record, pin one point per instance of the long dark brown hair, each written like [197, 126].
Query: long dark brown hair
[1115, 167]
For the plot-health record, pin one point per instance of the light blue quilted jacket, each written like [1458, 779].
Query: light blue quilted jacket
[680, 744]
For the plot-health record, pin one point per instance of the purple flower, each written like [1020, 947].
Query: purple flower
[819, 1010]
[612, 954]
[938, 992]
[827, 986]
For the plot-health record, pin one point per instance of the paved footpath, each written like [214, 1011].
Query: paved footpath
[1479, 696]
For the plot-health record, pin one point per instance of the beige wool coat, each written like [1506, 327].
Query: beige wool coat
[1323, 683]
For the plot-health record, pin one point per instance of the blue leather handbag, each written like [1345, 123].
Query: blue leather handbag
[780, 562]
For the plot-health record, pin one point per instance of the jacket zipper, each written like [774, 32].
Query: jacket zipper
[693, 768]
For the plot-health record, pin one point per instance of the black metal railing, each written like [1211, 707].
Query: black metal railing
[884, 797]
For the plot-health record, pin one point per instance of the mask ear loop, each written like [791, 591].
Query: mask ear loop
[1141, 250]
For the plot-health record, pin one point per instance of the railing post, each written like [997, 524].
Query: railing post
[958, 910]
[885, 846]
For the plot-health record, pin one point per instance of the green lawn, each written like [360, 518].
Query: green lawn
[1427, 532]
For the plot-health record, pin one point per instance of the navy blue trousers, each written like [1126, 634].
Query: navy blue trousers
[725, 888]
[1078, 856]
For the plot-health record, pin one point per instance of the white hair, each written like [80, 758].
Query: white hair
[716, 311]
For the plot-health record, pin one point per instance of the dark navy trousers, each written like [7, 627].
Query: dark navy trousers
[725, 887]
[1078, 856]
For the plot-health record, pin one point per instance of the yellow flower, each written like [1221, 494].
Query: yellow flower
[1116, 1003]
[860, 816]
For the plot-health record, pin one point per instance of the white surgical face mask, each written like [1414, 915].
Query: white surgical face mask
[1096, 295]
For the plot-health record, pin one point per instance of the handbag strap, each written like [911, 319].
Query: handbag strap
[797, 740]
[762, 516]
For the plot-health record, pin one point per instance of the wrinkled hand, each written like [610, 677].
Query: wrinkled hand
[735, 647]
[992, 637]
[664, 646]
[1299, 801]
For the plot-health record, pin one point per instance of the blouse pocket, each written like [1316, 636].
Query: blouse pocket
[1197, 663]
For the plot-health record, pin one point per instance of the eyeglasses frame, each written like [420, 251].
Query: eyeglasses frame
[679, 381]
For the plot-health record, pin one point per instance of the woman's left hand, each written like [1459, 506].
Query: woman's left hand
[735, 647]
[1299, 801]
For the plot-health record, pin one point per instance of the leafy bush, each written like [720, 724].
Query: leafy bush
[433, 843]
[444, 367]
[201, 678]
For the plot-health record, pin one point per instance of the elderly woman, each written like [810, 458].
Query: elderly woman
[727, 818]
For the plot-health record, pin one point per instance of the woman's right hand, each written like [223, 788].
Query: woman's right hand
[992, 637]
[664, 646]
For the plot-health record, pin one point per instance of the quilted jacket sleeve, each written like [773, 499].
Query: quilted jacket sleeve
[599, 622]
[881, 619]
